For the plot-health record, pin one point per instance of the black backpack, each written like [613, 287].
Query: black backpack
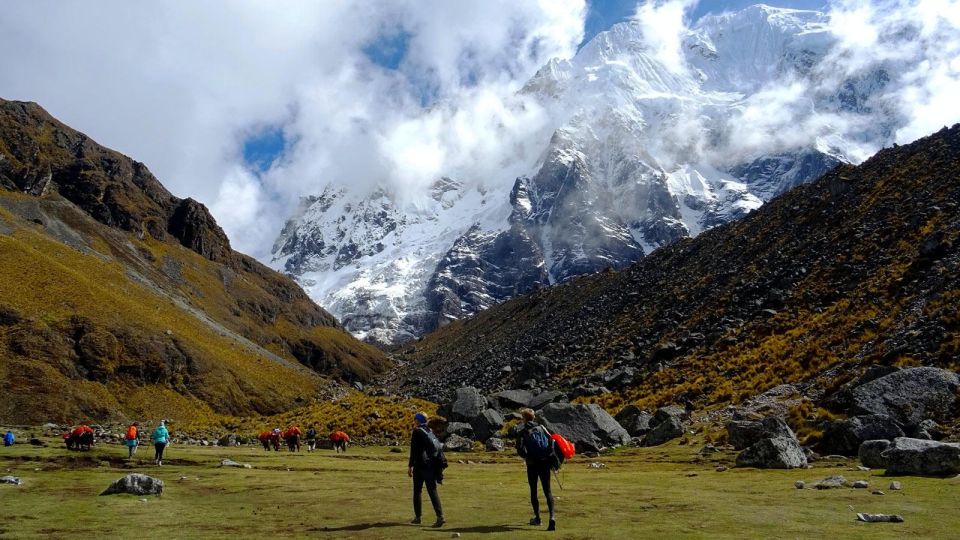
[537, 444]
[434, 451]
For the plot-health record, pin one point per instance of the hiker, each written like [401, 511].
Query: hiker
[160, 438]
[425, 467]
[8, 438]
[292, 437]
[339, 440]
[534, 445]
[311, 438]
[132, 439]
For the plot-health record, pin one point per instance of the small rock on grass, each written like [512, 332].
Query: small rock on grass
[11, 480]
[861, 484]
[895, 486]
[232, 463]
[799, 484]
[880, 518]
[831, 482]
[721, 468]
[878, 492]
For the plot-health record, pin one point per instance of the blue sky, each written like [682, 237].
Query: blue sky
[388, 51]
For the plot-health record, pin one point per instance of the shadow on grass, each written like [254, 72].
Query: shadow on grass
[358, 527]
[482, 529]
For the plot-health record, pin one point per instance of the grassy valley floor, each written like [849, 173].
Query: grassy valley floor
[662, 492]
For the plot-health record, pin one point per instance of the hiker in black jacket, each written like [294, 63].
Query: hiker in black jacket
[534, 446]
[424, 467]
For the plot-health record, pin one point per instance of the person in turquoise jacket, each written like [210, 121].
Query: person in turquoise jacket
[160, 438]
[8, 439]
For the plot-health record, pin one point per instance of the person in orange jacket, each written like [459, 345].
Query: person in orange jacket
[132, 439]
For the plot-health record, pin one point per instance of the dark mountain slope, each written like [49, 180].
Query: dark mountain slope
[115, 295]
[860, 267]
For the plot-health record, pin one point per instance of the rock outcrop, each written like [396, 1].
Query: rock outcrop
[844, 437]
[136, 484]
[773, 453]
[908, 456]
[589, 427]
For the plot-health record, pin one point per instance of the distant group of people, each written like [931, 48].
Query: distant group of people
[82, 438]
[293, 435]
[542, 451]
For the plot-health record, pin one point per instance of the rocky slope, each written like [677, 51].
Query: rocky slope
[636, 152]
[858, 268]
[117, 297]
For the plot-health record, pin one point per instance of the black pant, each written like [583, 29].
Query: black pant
[539, 471]
[421, 477]
[159, 450]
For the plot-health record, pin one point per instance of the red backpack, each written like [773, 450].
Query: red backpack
[131, 433]
[566, 447]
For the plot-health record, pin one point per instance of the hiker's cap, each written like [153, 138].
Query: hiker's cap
[421, 418]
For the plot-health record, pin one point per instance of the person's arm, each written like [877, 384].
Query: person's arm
[416, 448]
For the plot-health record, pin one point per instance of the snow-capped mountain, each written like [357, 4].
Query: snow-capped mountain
[641, 148]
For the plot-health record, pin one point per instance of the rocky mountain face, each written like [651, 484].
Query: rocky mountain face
[859, 268]
[638, 152]
[117, 296]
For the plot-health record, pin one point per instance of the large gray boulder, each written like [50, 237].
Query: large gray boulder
[589, 427]
[486, 424]
[511, 400]
[745, 433]
[669, 429]
[546, 397]
[456, 443]
[136, 484]
[773, 453]
[844, 437]
[634, 420]
[467, 405]
[462, 429]
[910, 396]
[871, 453]
[908, 456]
[670, 411]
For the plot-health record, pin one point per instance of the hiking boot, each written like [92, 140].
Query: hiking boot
[552, 526]
[415, 521]
[535, 520]
[438, 523]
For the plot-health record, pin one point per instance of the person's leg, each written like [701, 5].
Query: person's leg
[431, 482]
[544, 474]
[417, 489]
[534, 501]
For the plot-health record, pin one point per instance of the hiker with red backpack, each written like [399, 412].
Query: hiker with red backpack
[132, 439]
[543, 453]
[426, 466]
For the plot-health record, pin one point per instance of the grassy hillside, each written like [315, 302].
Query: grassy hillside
[861, 267]
[118, 299]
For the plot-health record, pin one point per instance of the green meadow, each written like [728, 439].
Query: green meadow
[666, 492]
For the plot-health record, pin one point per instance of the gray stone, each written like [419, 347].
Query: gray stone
[928, 429]
[908, 456]
[910, 396]
[462, 429]
[799, 484]
[879, 518]
[670, 411]
[11, 480]
[537, 367]
[486, 424]
[456, 443]
[773, 453]
[467, 405]
[228, 440]
[589, 427]
[634, 420]
[511, 400]
[232, 463]
[895, 486]
[745, 433]
[495, 444]
[871, 453]
[831, 482]
[844, 437]
[669, 429]
[136, 484]
[546, 397]
[861, 484]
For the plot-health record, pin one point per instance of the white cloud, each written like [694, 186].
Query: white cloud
[664, 25]
[180, 84]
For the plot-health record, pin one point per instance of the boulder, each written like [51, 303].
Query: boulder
[908, 456]
[136, 484]
[844, 437]
[670, 411]
[511, 400]
[537, 367]
[495, 444]
[589, 427]
[456, 443]
[909, 396]
[634, 420]
[467, 405]
[928, 429]
[10, 480]
[745, 433]
[228, 440]
[870, 453]
[831, 482]
[486, 424]
[773, 453]
[546, 397]
[462, 429]
[665, 431]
